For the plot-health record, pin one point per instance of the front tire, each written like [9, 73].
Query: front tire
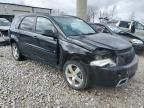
[16, 52]
[75, 75]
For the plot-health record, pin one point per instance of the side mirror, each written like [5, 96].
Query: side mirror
[50, 33]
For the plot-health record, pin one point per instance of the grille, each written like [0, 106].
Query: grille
[125, 56]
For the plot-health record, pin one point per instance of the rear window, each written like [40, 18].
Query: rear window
[27, 24]
[124, 24]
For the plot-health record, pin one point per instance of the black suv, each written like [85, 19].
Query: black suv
[71, 45]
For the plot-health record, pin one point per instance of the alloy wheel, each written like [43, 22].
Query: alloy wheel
[15, 51]
[74, 75]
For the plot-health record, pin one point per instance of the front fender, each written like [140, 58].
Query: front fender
[70, 51]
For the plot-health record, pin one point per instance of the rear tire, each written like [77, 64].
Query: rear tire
[1, 37]
[16, 52]
[76, 75]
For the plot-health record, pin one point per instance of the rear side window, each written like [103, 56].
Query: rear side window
[44, 24]
[124, 24]
[27, 24]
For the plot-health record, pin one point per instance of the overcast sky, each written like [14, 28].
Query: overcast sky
[124, 7]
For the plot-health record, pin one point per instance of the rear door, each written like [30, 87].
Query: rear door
[47, 44]
[27, 38]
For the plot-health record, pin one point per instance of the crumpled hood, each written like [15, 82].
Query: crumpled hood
[100, 40]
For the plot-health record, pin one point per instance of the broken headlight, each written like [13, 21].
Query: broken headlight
[137, 41]
[104, 58]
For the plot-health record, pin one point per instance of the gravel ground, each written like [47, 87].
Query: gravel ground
[29, 84]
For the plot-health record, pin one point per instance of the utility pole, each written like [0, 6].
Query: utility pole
[81, 9]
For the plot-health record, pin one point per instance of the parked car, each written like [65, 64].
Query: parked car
[126, 25]
[137, 41]
[4, 27]
[84, 56]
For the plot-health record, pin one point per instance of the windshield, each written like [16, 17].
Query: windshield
[4, 22]
[114, 29]
[72, 26]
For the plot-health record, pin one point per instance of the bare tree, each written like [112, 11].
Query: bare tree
[113, 11]
[132, 16]
[103, 16]
[58, 12]
[106, 15]
[62, 13]
[92, 13]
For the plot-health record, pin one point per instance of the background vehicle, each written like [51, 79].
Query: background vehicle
[125, 25]
[4, 27]
[137, 41]
[70, 44]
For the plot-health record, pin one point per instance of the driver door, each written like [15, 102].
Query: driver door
[47, 44]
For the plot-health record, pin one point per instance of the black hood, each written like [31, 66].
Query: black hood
[100, 40]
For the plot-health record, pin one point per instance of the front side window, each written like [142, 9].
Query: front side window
[44, 25]
[72, 26]
[28, 24]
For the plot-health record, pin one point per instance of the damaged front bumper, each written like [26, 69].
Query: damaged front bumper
[114, 76]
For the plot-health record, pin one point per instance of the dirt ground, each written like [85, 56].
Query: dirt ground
[30, 84]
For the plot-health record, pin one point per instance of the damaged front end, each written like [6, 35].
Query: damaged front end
[114, 68]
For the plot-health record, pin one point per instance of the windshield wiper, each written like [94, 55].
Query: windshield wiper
[89, 34]
[82, 34]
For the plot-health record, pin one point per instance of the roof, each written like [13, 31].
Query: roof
[41, 14]
[26, 6]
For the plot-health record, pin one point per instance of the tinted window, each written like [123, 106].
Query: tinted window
[27, 24]
[124, 24]
[43, 25]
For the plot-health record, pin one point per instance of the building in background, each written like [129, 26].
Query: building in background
[8, 10]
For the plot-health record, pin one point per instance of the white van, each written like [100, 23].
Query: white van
[126, 25]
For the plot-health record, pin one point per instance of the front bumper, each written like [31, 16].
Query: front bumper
[115, 76]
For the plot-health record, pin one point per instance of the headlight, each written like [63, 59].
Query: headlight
[104, 58]
[136, 41]
[103, 63]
